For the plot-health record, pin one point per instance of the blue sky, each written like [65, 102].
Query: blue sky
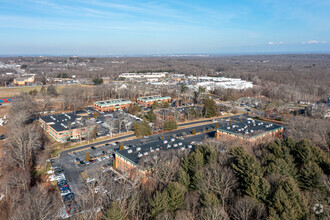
[100, 27]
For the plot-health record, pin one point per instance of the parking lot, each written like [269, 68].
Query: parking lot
[72, 162]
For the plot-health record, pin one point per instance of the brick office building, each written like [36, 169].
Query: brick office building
[147, 101]
[65, 127]
[111, 105]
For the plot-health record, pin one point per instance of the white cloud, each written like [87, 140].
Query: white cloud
[275, 43]
[313, 42]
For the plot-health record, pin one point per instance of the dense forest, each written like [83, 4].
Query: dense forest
[278, 180]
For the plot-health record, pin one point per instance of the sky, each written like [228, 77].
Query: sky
[127, 27]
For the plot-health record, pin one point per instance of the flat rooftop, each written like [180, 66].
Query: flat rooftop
[65, 121]
[247, 127]
[154, 97]
[112, 102]
[134, 154]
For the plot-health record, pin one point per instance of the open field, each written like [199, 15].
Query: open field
[7, 92]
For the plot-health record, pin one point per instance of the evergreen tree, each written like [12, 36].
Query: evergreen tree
[183, 178]
[51, 90]
[303, 152]
[158, 203]
[87, 157]
[322, 159]
[114, 212]
[196, 161]
[175, 197]
[165, 105]
[248, 170]
[287, 202]
[279, 166]
[170, 125]
[209, 153]
[290, 143]
[209, 108]
[209, 199]
[310, 175]
[151, 116]
[196, 179]
[141, 129]
[154, 105]
[94, 134]
[121, 146]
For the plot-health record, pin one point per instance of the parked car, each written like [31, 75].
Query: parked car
[68, 196]
[62, 183]
[82, 162]
[77, 159]
[66, 192]
[93, 148]
[64, 188]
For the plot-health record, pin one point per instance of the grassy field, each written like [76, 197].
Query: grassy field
[12, 91]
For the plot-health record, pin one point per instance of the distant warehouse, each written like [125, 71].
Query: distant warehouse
[111, 105]
[66, 127]
[149, 100]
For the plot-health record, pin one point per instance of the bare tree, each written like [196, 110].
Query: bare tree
[219, 180]
[37, 203]
[22, 143]
[214, 213]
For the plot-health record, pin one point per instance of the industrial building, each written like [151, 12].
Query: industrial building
[143, 75]
[248, 129]
[147, 101]
[66, 126]
[211, 83]
[22, 81]
[128, 160]
[111, 105]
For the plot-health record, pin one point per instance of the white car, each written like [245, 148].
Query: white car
[65, 192]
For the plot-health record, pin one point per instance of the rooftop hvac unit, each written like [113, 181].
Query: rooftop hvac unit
[145, 153]
[129, 151]
[138, 149]
[140, 155]
[157, 149]
[168, 146]
[180, 143]
[165, 142]
[189, 146]
[182, 148]
[175, 145]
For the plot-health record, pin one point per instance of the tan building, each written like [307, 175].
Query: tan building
[22, 81]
